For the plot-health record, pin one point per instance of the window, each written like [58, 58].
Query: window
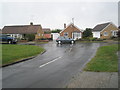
[65, 33]
[38, 34]
[105, 33]
[114, 33]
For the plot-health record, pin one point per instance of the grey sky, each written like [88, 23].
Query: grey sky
[119, 13]
[55, 14]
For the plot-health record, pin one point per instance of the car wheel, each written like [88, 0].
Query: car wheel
[72, 42]
[59, 42]
[9, 42]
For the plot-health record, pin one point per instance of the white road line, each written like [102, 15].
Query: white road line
[70, 49]
[49, 62]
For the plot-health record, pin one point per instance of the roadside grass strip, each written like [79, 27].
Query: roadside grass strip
[105, 60]
[13, 53]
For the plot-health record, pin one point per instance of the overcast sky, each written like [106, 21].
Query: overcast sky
[54, 14]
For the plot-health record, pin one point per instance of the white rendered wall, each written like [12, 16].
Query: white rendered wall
[55, 35]
[96, 34]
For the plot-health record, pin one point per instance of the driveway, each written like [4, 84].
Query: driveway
[53, 69]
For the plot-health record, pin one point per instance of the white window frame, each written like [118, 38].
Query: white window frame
[105, 33]
[65, 33]
[114, 32]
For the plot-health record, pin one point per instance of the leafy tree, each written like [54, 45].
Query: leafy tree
[87, 33]
[56, 31]
[48, 32]
[118, 33]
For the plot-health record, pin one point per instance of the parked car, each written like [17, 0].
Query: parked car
[7, 39]
[62, 39]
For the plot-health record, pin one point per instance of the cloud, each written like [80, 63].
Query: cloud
[55, 14]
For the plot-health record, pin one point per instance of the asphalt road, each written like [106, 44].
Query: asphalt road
[53, 69]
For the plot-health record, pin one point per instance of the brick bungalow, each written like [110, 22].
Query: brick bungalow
[105, 30]
[71, 31]
[21, 30]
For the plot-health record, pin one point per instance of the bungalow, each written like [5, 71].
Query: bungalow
[105, 30]
[71, 31]
[21, 30]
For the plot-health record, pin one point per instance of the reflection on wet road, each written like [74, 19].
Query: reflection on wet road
[53, 69]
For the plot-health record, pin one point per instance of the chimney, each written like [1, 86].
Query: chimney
[64, 25]
[31, 23]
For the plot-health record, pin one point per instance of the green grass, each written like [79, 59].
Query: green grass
[105, 60]
[13, 53]
[89, 41]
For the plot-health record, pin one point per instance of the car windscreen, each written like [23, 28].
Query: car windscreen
[61, 38]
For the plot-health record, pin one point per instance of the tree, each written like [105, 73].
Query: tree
[118, 33]
[56, 31]
[87, 33]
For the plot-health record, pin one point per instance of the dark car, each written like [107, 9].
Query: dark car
[8, 39]
[62, 39]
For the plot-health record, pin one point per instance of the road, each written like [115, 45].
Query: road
[53, 69]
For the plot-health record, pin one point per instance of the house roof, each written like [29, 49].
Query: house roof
[100, 27]
[22, 29]
[71, 24]
[46, 29]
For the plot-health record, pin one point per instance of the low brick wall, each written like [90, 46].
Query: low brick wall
[42, 40]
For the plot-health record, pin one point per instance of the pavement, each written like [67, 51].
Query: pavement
[94, 80]
[53, 69]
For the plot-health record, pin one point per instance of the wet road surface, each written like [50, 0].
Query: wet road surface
[53, 69]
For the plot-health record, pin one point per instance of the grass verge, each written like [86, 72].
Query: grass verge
[105, 60]
[13, 53]
[90, 41]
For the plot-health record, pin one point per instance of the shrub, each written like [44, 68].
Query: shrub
[99, 39]
[94, 39]
[87, 33]
[42, 39]
[30, 37]
[113, 37]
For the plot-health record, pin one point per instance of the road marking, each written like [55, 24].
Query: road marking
[70, 49]
[49, 62]
[71, 45]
